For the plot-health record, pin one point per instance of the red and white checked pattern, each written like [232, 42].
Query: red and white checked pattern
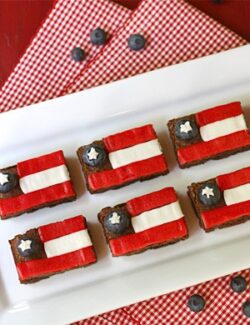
[175, 32]
[223, 307]
[46, 67]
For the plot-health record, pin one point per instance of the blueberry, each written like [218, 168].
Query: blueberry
[196, 303]
[26, 247]
[246, 308]
[94, 155]
[238, 284]
[116, 222]
[209, 194]
[78, 54]
[8, 181]
[98, 36]
[186, 130]
[136, 42]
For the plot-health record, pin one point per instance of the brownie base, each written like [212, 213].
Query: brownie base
[155, 246]
[107, 166]
[109, 235]
[41, 254]
[221, 226]
[37, 279]
[171, 128]
[38, 207]
[191, 195]
[142, 179]
[225, 154]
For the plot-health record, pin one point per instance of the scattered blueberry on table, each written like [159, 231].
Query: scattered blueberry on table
[8, 182]
[238, 284]
[98, 36]
[246, 308]
[116, 222]
[78, 54]
[94, 156]
[196, 303]
[186, 130]
[136, 42]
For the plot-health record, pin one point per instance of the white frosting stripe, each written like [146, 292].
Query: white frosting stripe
[67, 244]
[135, 153]
[157, 217]
[237, 194]
[224, 127]
[43, 179]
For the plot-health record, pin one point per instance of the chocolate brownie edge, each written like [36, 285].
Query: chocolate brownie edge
[225, 154]
[142, 179]
[155, 246]
[41, 206]
[192, 194]
[37, 279]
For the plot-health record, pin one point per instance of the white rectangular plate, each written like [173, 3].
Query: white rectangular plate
[74, 120]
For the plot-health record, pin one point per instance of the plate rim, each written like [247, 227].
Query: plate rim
[29, 312]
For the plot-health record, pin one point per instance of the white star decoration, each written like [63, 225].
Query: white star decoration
[3, 178]
[92, 154]
[186, 127]
[208, 191]
[25, 244]
[115, 218]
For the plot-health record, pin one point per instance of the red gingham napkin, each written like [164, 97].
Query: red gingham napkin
[46, 67]
[223, 307]
[175, 32]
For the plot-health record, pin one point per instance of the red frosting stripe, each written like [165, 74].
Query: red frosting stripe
[24, 202]
[134, 171]
[151, 201]
[129, 138]
[222, 215]
[204, 150]
[61, 228]
[153, 236]
[218, 113]
[48, 266]
[38, 164]
[237, 178]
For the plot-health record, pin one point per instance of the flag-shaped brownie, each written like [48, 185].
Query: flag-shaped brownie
[210, 134]
[149, 221]
[122, 158]
[35, 183]
[222, 201]
[52, 249]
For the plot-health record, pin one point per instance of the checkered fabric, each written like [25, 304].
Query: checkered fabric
[223, 307]
[46, 67]
[175, 32]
